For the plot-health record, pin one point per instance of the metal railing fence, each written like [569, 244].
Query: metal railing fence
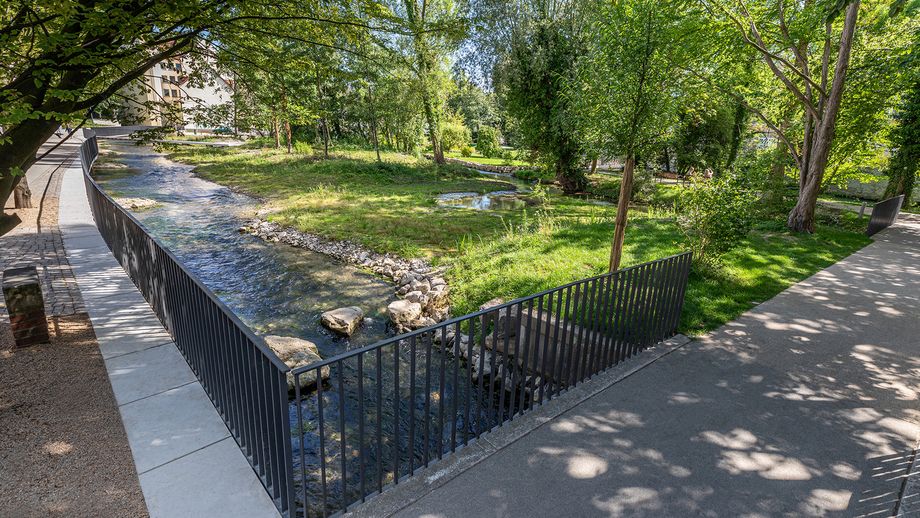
[395, 406]
[245, 380]
[884, 214]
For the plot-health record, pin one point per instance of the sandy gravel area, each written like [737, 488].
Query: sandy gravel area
[63, 448]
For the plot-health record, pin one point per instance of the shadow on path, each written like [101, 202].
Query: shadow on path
[807, 405]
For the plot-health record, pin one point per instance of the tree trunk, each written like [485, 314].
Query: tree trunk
[276, 129]
[18, 152]
[434, 130]
[22, 195]
[738, 124]
[287, 133]
[619, 232]
[374, 134]
[814, 161]
[593, 165]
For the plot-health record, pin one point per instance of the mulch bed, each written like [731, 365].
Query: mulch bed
[63, 448]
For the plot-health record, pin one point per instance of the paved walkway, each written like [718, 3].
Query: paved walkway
[807, 405]
[37, 240]
[187, 462]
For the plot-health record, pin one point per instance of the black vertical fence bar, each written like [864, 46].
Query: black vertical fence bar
[244, 379]
[442, 397]
[397, 400]
[361, 470]
[426, 435]
[379, 419]
[456, 386]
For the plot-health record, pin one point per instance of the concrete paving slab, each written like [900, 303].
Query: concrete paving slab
[170, 425]
[186, 487]
[147, 372]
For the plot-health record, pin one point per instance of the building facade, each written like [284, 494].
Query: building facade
[179, 93]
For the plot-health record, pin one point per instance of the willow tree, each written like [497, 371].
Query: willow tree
[625, 87]
[531, 80]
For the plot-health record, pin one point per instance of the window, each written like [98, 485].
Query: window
[166, 92]
[175, 93]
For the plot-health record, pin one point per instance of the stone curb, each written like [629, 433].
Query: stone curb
[425, 480]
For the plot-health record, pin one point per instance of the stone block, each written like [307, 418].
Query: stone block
[22, 291]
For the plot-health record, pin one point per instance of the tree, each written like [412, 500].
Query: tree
[784, 34]
[625, 88]
[905, 163]
[63, 59]
[531, 79]
[435, 26]
[705, 133]
[488, 142]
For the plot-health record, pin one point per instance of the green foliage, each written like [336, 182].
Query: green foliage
[466, 151]
[626, 82]
[454, 134]
[715, 216]
[703, 135]
[488, 142]
[905, 164]
[531, 81]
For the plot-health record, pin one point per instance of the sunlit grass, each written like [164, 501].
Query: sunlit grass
[390, 207]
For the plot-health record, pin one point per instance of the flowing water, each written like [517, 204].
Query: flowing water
[274, 288]
[278, 289]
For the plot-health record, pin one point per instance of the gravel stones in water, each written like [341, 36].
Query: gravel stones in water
[426, 284]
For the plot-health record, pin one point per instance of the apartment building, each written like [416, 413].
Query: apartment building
[178, 93]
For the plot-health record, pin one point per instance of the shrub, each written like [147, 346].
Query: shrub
[488, 142]
[454, 135]
[715, 216]
[466, 151]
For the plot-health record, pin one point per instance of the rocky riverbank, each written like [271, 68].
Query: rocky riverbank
[421, 288]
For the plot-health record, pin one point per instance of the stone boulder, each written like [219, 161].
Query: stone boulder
[343, 320]
[500, 318]
[417, 296]
[403, 312]
[297, 352]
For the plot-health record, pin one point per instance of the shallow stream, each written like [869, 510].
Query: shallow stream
[278, 289]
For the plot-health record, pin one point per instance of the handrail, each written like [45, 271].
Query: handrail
[243, 377]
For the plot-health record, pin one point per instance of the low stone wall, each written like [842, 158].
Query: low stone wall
[416, 280]
[502, 169]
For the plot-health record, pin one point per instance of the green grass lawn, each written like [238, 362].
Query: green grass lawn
[390, 207]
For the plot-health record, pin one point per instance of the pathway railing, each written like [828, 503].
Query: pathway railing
[884, 214]
[400, 404]
[378, 414]
[244, 379]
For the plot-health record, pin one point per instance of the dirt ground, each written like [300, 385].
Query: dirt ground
[63, 448]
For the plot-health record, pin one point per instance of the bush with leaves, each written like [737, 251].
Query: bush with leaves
[715, 216]
[488, 142]
[466, 151]
[454, 134]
